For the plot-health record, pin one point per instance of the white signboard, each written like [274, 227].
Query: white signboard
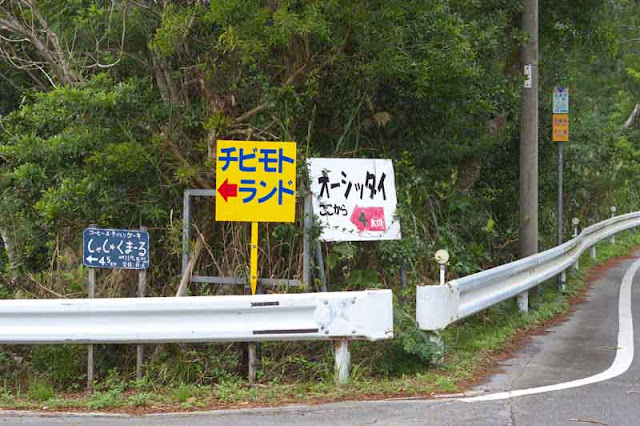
[561, 100]
[528, 77]
[354, 199]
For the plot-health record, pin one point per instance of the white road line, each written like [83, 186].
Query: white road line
[624, 352]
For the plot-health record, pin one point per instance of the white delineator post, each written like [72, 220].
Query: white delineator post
[441, 257]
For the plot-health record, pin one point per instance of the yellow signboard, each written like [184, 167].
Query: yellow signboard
[255, 181]
[560, 127]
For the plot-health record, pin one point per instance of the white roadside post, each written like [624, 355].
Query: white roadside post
[613, 214]
[575, 222]
[441, 257]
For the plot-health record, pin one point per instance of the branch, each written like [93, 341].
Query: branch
[633, 117]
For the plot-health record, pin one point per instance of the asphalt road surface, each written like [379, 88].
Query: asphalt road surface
[582, 372]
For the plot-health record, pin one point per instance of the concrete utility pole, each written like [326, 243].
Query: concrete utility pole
[528, 235]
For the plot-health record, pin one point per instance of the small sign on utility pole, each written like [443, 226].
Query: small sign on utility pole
[561, 100]
[561, 127]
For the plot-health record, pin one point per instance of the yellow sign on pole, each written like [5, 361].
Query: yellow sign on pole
[256, 181]
[560, 127]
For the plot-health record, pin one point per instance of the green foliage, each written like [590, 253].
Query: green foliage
[40, 391]
[411, 349]
[78, 156]
[107, 399]
[141, 399]
[61, 365]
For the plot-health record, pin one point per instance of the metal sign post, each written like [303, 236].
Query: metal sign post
[115, 249]
[92, 294]
[257, 183]
[254, 257]
[560, 135]
[142, 292]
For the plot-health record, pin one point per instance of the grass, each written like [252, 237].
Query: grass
[40, 391]
[471, 345]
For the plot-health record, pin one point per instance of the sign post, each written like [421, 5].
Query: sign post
[115, 249]
[254, 257]
[355, 200]
[560, 134]
[257, 183]
[92, 293]
[142, 292]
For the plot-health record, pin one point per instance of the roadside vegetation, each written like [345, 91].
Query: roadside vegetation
[110, 110]
[473, 347]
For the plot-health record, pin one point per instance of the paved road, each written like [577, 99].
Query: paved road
[590, 345]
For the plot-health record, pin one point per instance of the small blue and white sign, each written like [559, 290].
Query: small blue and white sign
[115, 248]
[561, 100]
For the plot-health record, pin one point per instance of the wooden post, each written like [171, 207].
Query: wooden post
[528, 180]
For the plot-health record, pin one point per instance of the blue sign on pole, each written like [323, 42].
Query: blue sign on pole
[115, 248]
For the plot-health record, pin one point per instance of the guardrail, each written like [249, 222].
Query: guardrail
[339, 316]
[440, 305]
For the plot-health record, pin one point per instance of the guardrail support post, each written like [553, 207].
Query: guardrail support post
[612, 239]
[252, 362]
[342, 361]
[563, 282]
[575, 221]
[523, 302]
[592, 252]
[436, 339]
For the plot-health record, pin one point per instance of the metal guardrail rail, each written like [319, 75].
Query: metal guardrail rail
[358, 315]
[338, 316]
[441, 305]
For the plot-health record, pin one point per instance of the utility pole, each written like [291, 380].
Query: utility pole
[528, 231]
